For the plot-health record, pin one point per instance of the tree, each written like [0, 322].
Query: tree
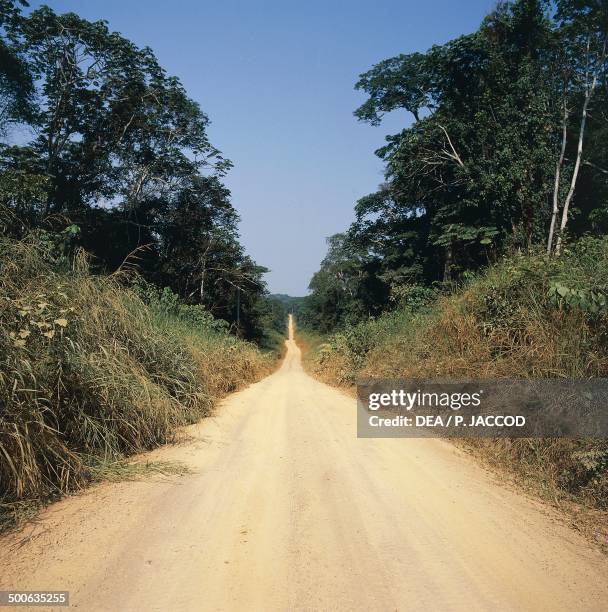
[506, 145]
[16, 81]
[583, 33]
[121, 151]
[347, 287]
[476, 166]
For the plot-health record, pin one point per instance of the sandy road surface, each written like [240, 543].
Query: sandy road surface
[287, 509]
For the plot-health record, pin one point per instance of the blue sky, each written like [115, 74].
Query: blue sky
[276, 79]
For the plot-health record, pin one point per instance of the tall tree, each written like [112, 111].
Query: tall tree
[16, 81]
[506, 145]
[582, 27]
[122, 151]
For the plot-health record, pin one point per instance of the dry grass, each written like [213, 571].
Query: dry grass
[506, 323]
[121, 470]
[89, 374]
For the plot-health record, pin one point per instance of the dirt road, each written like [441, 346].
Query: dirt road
[287, 509]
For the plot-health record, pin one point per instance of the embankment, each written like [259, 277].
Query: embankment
[524, 317]
[89, 374]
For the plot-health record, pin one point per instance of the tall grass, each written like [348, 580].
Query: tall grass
[526, 317]
[90, 373]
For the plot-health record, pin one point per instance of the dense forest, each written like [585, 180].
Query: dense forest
[505, 154]
[103, 150]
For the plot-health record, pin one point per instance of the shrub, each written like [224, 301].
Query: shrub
[89, 373]
[525, 317]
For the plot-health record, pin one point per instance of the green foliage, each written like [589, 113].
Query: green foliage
[346, 289]
[89, 373]
[120, 150]
[58, 245]
[584, 299]
[525, 309]
[16, 79]
[473, 177]
[164, 302]
[478, 165]
[413, 297]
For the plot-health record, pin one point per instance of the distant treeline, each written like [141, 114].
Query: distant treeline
[506, 154]
[280, 305]
[103, 150]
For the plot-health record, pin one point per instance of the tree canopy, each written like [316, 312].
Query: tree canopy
[507, 141]
[117, 149]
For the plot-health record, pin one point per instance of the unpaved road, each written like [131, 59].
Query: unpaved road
[287, 509]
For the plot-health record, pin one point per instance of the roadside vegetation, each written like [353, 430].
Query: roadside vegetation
[484, 252]
[100, 145]
[95, 368]
[127, 303]
[505, 154]
[525, 317]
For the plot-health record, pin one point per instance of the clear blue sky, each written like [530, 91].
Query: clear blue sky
[276, 79]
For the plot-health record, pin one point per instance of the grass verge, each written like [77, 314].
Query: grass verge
[525, 317]
[90, 374]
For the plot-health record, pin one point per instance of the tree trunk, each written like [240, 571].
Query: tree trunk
[204, 272]
[447, 268]
[577, 165]
[202, 288]
[558, 169]
[590, 88]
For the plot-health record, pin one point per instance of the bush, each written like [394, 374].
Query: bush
[525, 317]
[89, 373]
[164, 302]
